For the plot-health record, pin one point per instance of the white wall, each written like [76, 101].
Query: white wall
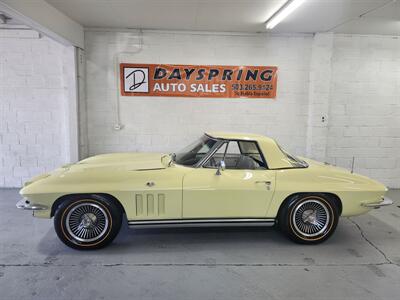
[319, 93]
[364, 106]
[167, 124]
[34, 75]
[351, 81]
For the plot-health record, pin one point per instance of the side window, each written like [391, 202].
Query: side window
[233, 148]
[239, 155]
[250, 149]
[232, 155]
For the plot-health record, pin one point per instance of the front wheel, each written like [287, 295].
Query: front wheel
[309, 219]
[87, 222]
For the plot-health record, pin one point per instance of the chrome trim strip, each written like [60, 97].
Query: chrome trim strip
[385, 202]
[26, 205]
[202, 222]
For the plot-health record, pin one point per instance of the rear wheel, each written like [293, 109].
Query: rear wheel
[309, 219]
[87, 222]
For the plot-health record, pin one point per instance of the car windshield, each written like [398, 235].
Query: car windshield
[295, 161]
[192, 154]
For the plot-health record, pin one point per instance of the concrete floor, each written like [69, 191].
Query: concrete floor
[361, 261]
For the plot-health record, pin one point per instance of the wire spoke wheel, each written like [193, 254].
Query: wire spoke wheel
[311, 218]
[87, 222]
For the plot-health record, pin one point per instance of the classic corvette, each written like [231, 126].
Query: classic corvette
[221, 179]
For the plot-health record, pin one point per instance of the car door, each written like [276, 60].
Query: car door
[242, 190]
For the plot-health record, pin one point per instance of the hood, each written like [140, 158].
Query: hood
[103, 168]
[129, 161]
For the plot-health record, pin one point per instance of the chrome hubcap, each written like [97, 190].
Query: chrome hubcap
[87, 222]
[311, 218]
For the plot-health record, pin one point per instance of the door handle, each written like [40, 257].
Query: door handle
[265, 182]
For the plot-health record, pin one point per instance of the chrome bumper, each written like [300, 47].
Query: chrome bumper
[25, 204]
[385, 202]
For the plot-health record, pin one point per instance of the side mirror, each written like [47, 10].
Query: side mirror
[221, 167]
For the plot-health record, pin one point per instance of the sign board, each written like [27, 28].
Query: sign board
[161, 80]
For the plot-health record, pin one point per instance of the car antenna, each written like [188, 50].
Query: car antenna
[352, 165]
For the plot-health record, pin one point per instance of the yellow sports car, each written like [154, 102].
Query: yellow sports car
[222, 178]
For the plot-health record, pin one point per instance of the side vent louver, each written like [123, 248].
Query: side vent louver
[150, 204]
[161, 204]
[139, 205]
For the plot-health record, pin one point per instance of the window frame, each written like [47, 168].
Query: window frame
[212, 149]
[221, 142]
[209, 154]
